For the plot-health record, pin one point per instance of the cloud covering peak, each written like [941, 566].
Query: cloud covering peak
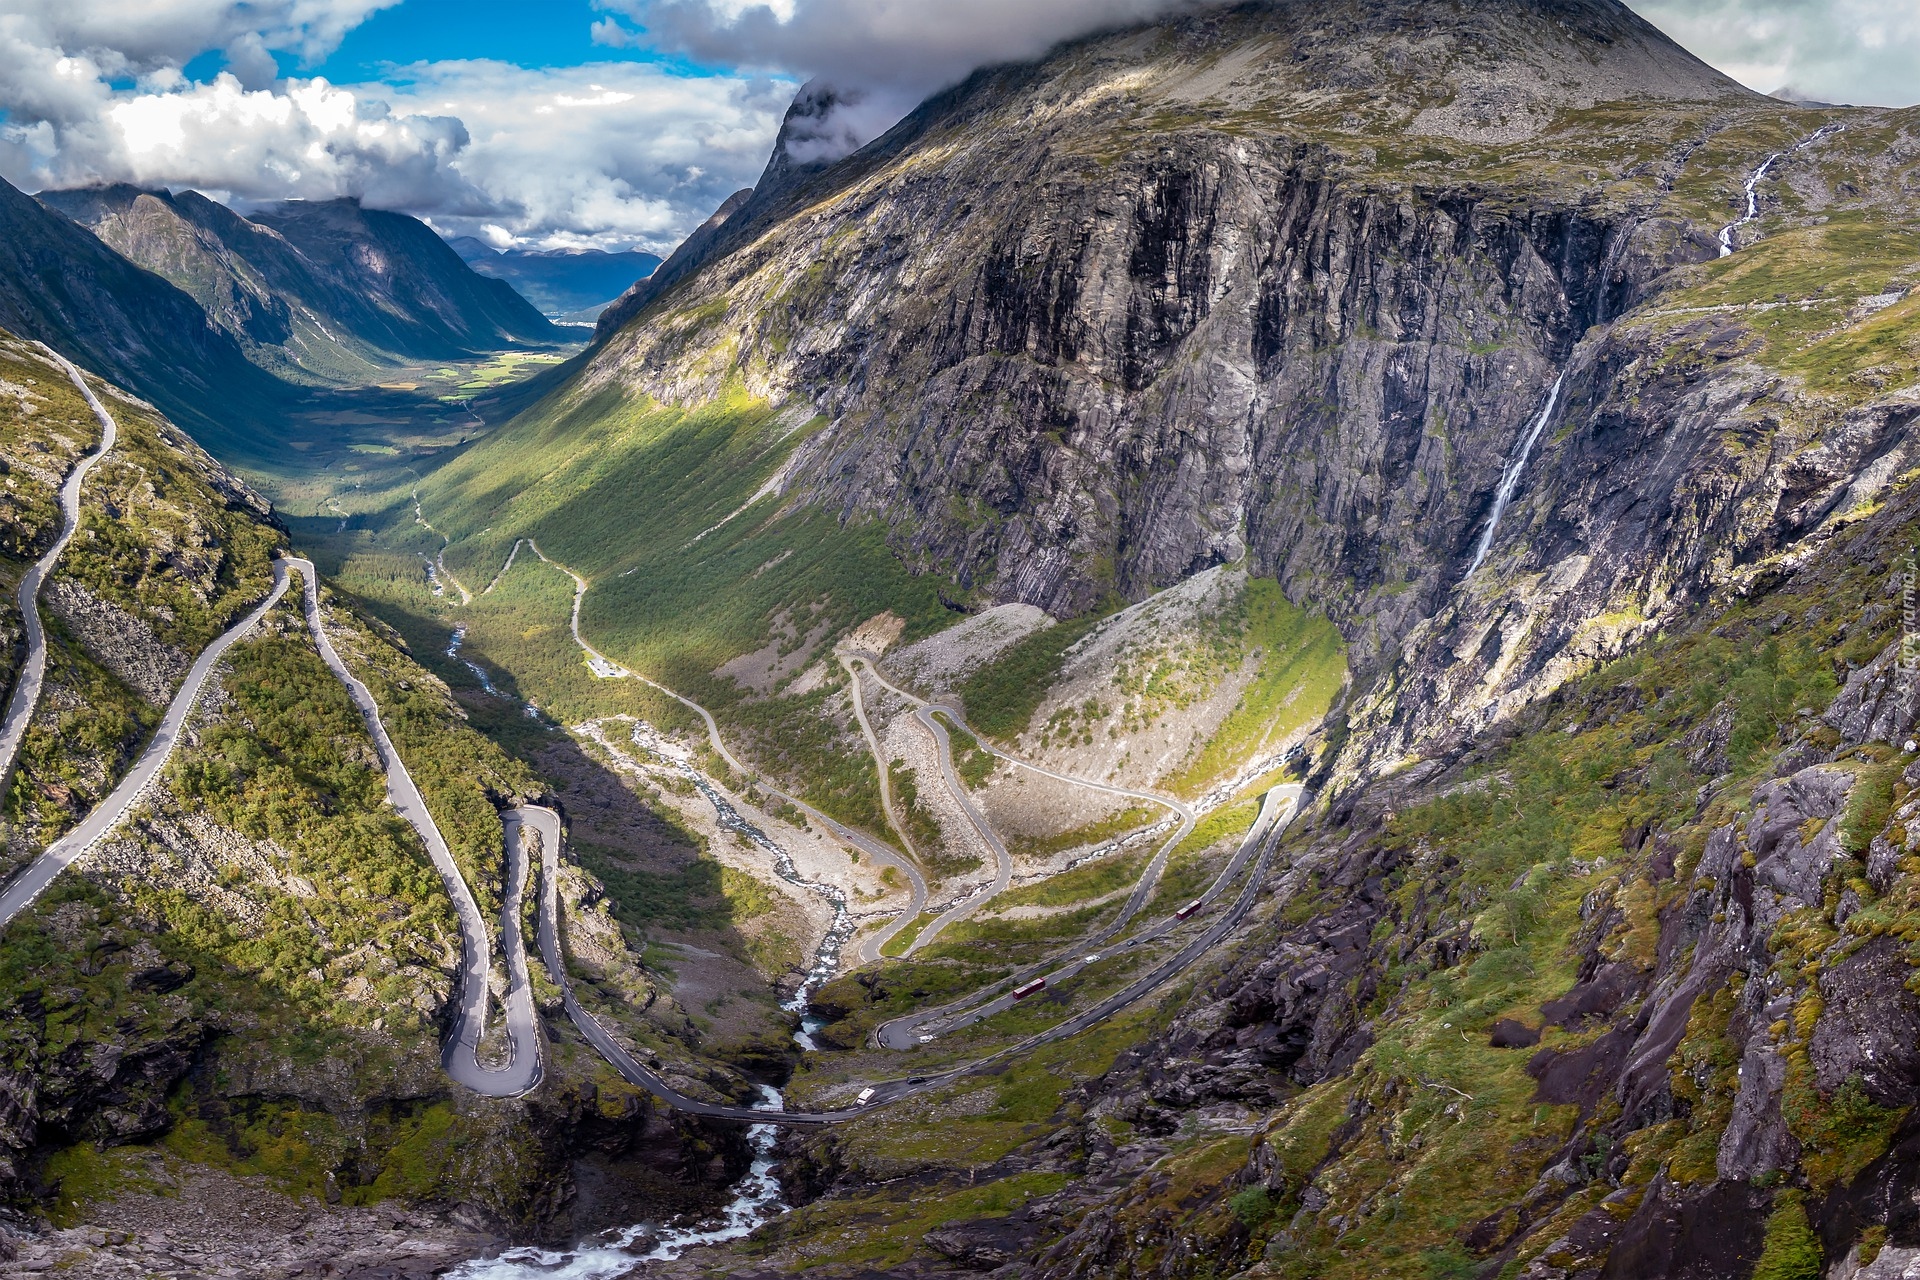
[677, 108]
[881, 57]
[912, 46]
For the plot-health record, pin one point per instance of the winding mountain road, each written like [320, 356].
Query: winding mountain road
[524, 1067]
[25, 699]
[1149, 878]
[606, 668]
[461, 1053]
[860, 840]
[545, 824]
[901, 1033]
[1261, 840]
[1162, 973]
[905, 1032]
[106, 815]
[1002, 860]
[880, 761]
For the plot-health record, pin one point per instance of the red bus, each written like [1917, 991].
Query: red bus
[1187, 910]
[1026, 989]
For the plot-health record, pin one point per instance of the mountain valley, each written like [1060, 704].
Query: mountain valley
[568, 285]
[1276, 644]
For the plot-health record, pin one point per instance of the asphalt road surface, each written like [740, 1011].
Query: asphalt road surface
[460, 1054]
[1002, 860]
[95, 827]
[26, 689]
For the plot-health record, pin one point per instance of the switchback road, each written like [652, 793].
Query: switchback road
[461, 1053]
[95, 827]
[26, 689]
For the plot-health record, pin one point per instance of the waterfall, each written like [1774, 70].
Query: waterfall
[1510, 478]
[756, 1199]
[1759, 175]
[1753, 206]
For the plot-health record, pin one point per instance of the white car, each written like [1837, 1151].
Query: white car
[1091, 959]
[926, 1039]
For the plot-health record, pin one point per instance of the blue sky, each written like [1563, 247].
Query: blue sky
[529, 33]
[616, 123]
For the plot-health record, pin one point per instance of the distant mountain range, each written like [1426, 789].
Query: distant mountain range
[566, 284]
[311, 290]
[221, 319]
[63, 286]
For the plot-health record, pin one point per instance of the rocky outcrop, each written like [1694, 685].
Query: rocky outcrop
[1092, 325]
[119, 641]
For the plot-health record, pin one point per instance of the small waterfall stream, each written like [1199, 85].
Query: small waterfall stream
[827, 958]
[480, 672]
[1753, 205]
[1510, 478]
[1758, 176]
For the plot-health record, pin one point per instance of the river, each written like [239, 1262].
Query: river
[756, 1199]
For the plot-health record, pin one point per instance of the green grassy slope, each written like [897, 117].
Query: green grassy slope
[621, 490]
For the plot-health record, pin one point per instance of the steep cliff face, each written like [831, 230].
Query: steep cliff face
[1300, 284]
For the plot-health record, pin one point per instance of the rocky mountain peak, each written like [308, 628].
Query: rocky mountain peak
[1288, 278]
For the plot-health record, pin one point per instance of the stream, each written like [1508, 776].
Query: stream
[827, 959]
[756, 1199]
[756, 1196]
[453, 651]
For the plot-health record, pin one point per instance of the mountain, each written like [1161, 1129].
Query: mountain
[1479, 441]
[1096, 381]
[563, 283]
[61, 285]
[265, 937]
[313, 291]
[1084, 327]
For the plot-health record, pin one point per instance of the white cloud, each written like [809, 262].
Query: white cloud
[130, 37]
[620, 153]
[875, 59]
[307, 139]
[1864, 52]
[902, 45]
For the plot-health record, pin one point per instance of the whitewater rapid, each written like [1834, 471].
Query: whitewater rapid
[756, 1199]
